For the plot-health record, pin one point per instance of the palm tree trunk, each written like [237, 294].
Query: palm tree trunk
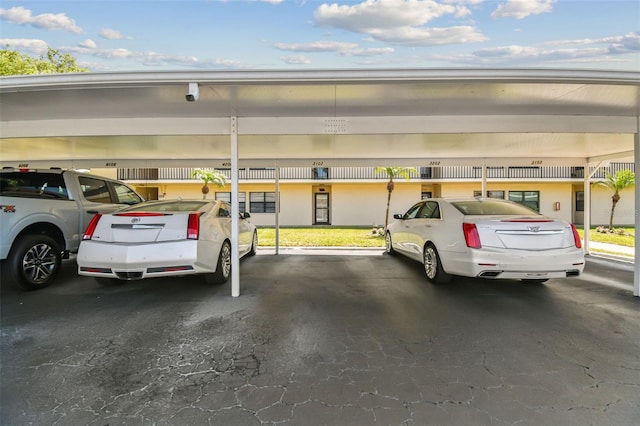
[386, 219]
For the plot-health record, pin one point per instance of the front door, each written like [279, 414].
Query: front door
[321, 209]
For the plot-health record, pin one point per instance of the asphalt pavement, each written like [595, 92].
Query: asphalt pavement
[323, 338]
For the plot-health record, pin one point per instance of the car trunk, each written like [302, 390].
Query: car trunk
[142, 227]
[522, 233]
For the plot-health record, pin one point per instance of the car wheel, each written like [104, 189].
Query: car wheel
[34, 261]
[254, 245]
[388, 246]
[223, 268]
[433, 266]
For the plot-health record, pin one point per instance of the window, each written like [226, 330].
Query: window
[125, 194]
[579, 201]
[262, 202]
[321, 173]
[530, 199]
[95, 190]
[431, 210]
[490, 194]
[426, 195]
[226, 197]
[412, 213]
[33, 185]
[426, 173]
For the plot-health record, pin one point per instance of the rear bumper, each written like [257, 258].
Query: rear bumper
[142, 261]
[515, 264]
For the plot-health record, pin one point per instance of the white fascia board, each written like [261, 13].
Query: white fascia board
[441, 124]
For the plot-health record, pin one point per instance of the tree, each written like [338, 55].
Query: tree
[209, 175]
[13, 62]
[392, 173]
[621, 180]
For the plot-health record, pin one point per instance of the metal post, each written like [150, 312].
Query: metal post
[277, 209]
[483, 192]
[636, 263]
[587, 208]
[235, 208]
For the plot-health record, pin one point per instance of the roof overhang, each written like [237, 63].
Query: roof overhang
[334, 117]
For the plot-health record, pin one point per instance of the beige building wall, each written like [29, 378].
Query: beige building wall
[601, 207]
[364, 204]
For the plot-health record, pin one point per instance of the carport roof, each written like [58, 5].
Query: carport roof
[329, 117]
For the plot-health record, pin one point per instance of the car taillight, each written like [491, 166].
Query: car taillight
[471, 236]
[88, 233]
[576, 236]
[193, 226]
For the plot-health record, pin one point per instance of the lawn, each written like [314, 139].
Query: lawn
[627, 239]
[362, 237]
[320, 237]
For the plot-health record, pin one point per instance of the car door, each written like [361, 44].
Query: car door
[422, 228]
[402, 236]
[246, 235]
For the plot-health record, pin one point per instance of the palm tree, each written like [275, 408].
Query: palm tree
[209, 175]
[623, 179]
[394, 172]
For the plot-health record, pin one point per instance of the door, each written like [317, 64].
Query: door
[321, 209]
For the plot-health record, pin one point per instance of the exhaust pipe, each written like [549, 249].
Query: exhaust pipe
[489, 274]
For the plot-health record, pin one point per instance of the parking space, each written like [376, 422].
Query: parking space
[335, 338]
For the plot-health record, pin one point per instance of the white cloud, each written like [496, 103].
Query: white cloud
[520, 9]
[316, 46]
[343, 48]
[31, 45]
[110, 34]
[400, 21]
[46, 21]
[295, 60]
[88, 44]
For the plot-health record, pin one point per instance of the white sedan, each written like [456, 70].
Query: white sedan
[486, 238]
[164, 238]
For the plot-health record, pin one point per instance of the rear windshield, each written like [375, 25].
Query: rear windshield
[33, 185]
[167, 206]
[492, 207]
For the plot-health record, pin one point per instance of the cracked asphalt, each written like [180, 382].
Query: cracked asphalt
[318, 339]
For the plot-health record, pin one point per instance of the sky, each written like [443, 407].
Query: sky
[164, 35]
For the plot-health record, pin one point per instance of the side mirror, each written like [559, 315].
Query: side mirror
[398, 216]
[245, 215]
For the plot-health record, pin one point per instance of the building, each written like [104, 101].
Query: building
[357, 196]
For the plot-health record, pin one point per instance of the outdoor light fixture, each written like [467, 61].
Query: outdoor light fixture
[194, 92]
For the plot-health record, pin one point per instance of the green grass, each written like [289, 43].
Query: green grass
[628, 239]
[320, 237]
[362, 237]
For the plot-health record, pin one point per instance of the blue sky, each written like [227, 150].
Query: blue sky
[132, 35]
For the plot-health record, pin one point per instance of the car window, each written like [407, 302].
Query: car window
[95, 190]
[33, 185]
[412, 213]
[492, 207]
[431, 210]
[125, 194]
[224, 211]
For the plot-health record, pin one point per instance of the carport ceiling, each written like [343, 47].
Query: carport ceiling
[331, 117]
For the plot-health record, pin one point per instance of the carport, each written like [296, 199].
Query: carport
[324, 118]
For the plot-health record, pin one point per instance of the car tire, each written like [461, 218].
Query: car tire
[254, 245]
[223, 267]
[433, 266]
[34, 261]
[388, 246]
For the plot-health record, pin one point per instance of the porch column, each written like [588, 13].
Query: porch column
[483, 192]
[587, 208]
[235, 208]
[636, 263]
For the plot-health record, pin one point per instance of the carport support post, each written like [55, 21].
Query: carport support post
[235, 208]
[636, 263]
